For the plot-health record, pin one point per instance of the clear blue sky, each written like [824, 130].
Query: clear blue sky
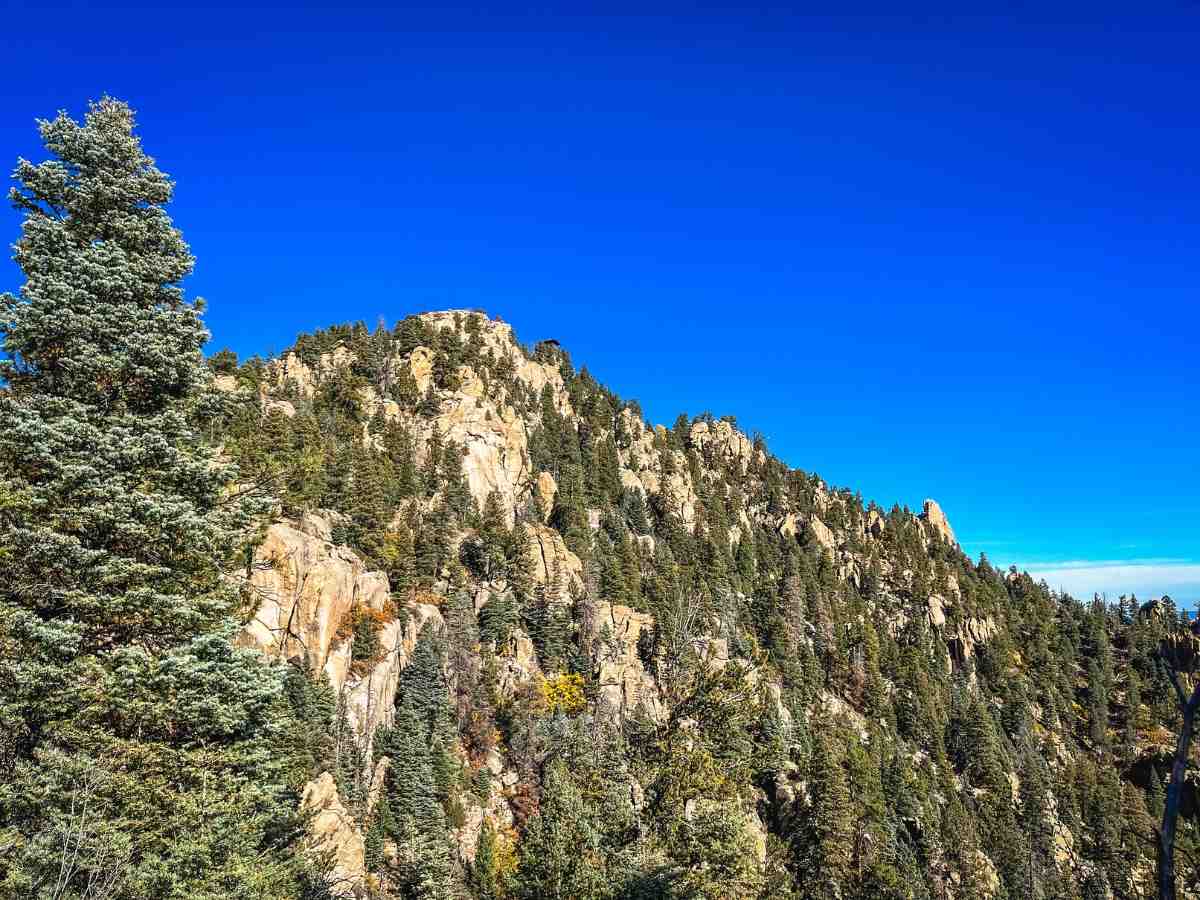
[930, 254]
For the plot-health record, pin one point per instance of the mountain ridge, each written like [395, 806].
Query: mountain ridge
[647, 552]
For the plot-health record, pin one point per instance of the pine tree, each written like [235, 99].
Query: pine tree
[488, 880]
[139, 728]
[493, 537]
[413, 786]
[518, 562]
[560, 856]
[1097, 705]
[828, 854]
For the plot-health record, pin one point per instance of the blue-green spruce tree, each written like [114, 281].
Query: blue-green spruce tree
[139, 751]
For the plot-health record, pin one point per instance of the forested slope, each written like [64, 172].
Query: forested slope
[658, 662]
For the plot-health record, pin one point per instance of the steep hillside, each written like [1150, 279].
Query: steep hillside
[556, 651]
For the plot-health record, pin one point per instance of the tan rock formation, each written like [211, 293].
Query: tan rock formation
[937, 521]
[553, 562]
[305, 586]
[493, 809]
[723, 441]
[875, 524]
[547, 489]
[291, 372]
[370, 698]
[420, 364]
[823, 535]
[495, 443]
[333, 831]
[516, 663]
[624, 682]
[629, 479]
[972, 632]
[282, 406]
[469, 383]
[936, 610]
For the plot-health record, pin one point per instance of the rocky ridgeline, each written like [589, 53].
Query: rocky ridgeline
[305, 584]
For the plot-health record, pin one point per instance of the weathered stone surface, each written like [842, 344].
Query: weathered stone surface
[282, 406]
[547, 490]
[553, 563]
[305, 586]
[822, 533]
[837, 708]
[516, 664]
[936, 609]
[971, 633]
[875, 524]
[676, 489]
[493, 809]
[624, 682]
[370, 698]
[291, 373]
[937, 521]
[723, 441]
[495, 444]
[420, 365]
[629, 479]
[713, 652]
[333, 831]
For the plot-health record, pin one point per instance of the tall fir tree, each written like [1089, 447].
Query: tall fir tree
[142, 758]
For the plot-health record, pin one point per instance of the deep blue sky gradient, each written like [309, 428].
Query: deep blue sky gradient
[935, 253]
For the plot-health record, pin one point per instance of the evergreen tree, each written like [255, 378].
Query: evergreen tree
[488, 880]
[561, 856]
[117, 674]
[828, 842]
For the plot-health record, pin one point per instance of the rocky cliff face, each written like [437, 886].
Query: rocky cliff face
[702, 485]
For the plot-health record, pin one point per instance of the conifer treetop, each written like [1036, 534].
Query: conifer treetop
[102, 317]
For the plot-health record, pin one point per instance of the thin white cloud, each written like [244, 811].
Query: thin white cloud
[1145, 577]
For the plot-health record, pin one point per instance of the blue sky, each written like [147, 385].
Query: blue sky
[931, 254]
